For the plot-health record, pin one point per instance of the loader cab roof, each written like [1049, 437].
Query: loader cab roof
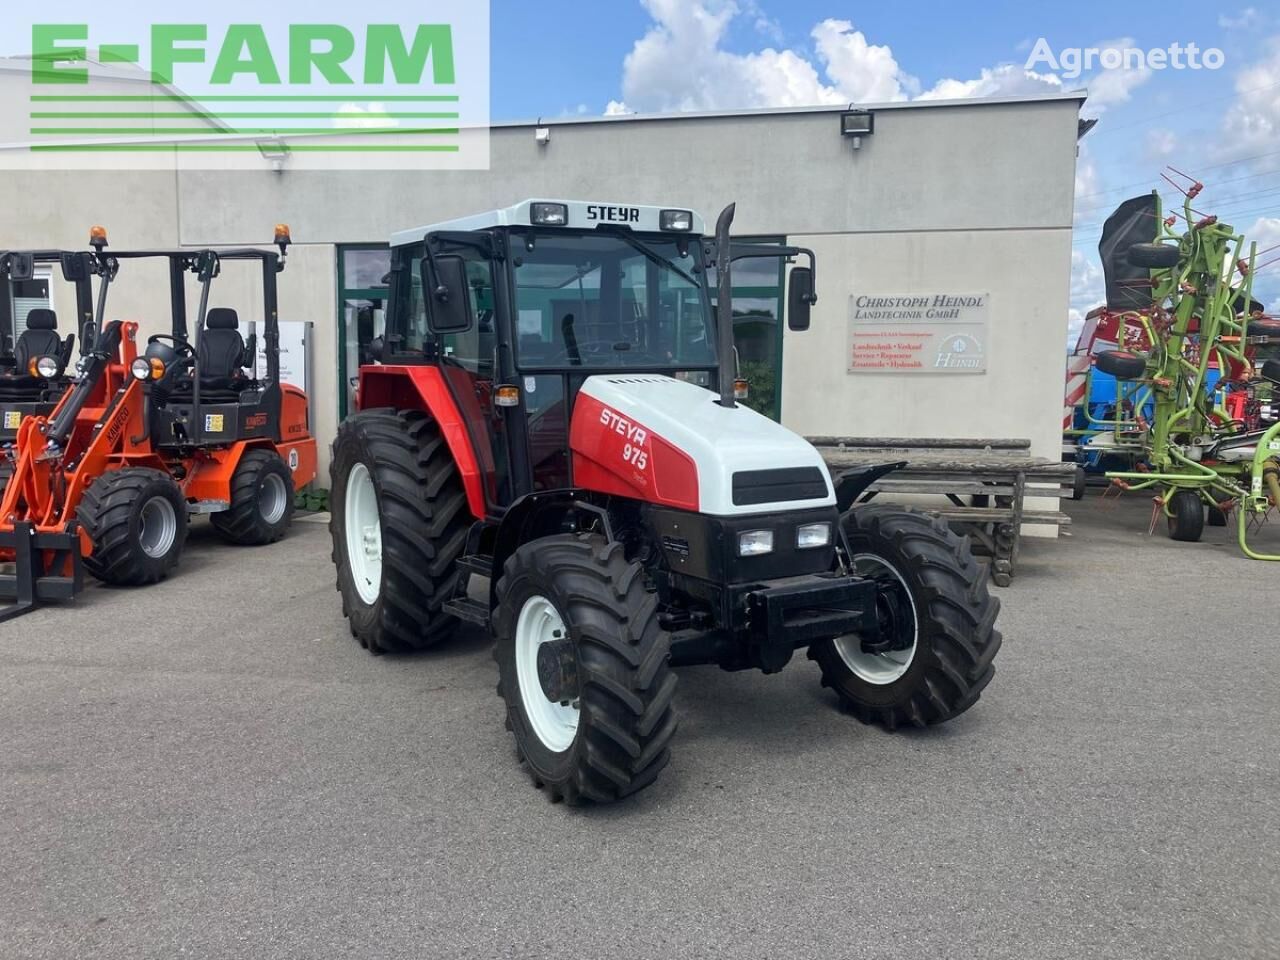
[581, 215]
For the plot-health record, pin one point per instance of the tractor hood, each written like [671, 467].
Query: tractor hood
[669, 442]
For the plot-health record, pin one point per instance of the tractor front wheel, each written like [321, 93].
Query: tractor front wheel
[137, 519]
[261, 500]
[399, 523]
[583, 667]
[1186, 516]
[937, 641]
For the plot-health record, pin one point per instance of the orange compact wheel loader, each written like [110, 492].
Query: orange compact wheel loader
[141, 442]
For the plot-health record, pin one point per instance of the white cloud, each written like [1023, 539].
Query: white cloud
[1088, 290]
[1108, 87]
[617, 108]
[1005, 80]
[1252, 123]
[1245, 20]
[681, 64]
[1266, 281]
[1088, 183]
[860, 71]
[1161, 142]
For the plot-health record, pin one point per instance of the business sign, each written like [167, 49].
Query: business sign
[294, 357]
[918, 333]
[329, 84]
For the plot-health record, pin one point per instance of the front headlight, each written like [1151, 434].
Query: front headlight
[141, 368]
[47, 367]
[755, 543]
[813, 535]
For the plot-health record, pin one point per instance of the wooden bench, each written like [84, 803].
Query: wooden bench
[985, 482]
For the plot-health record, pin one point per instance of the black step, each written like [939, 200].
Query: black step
[479, 563]
[468, 610]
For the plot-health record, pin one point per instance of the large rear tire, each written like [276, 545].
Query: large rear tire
[938, 639]
[137, 519]
[574, 616]
[261, 500]
[399, 523]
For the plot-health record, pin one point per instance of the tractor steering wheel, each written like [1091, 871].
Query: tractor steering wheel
[185, 350]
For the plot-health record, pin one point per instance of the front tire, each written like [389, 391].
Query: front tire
[938, 640]
[608, 733]
[137, 519]
[399, 523]
[261, 500]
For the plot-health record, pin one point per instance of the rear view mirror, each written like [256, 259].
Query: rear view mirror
[448, 296]
[799, 298]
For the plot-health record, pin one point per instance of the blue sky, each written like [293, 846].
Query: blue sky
[558, 57]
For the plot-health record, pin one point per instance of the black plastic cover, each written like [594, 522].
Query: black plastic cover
[1134, 221]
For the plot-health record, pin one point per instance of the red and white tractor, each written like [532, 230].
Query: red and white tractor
[551, 447]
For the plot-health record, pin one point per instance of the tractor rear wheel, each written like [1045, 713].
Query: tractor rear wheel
[399, 523]
[583, 667]
[1186, 516]
[137, 519]
[261, 500]
[937, 642]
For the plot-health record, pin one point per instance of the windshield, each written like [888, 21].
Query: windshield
[608, 300]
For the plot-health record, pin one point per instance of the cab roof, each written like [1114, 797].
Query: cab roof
[583, 214]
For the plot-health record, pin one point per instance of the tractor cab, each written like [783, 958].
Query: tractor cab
[519, 308]
[36, 358]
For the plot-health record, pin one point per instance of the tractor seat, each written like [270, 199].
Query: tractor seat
[39, 339]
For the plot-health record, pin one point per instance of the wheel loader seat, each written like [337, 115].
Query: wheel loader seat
[39, 339]
[222, 349]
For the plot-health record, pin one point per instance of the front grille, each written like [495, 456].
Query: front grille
[778, 486]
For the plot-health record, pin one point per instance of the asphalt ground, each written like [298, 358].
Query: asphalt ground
[212, 768]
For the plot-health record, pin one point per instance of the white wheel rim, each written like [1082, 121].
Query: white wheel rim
[274, 498]
[880, 669]
[554, 724]
[157, 527]
[363, 527]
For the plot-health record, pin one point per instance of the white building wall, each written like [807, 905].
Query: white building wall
[969, 197]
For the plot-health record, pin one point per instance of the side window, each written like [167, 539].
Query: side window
[409, 306]
[417, 334]
[473, 350]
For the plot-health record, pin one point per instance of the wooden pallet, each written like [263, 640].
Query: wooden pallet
[984, 483]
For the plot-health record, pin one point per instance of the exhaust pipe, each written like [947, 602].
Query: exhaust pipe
[724, 306]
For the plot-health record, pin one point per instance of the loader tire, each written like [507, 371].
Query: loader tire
[137, 519]
[611, 734]
[935, 609]
[261, 501]
[1154, 256]
[418, 522]
[1186, 516]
